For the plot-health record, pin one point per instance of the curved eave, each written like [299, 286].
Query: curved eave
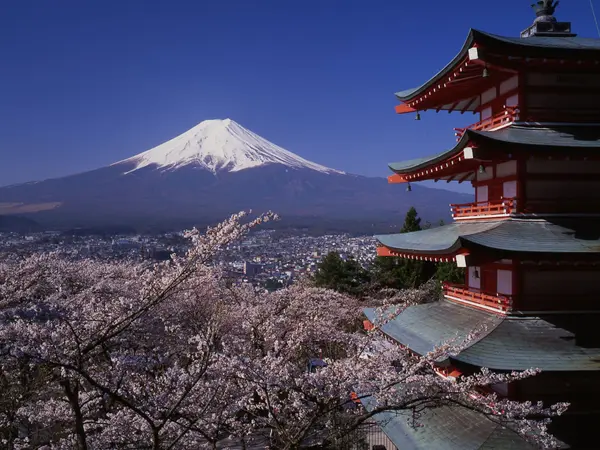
[446, 427]
[543, 342]
[444, 240]
[524, 236]
[506, 343]
[515, 138]
[536, 138]
[553, 48]
[413, 165]
[548, 237]
[409, 94]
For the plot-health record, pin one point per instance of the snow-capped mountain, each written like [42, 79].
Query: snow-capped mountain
[220, 145]
[210, 171]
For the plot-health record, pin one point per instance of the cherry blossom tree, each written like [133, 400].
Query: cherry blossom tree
[175, 356]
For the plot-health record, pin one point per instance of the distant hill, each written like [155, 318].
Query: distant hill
[217, 168]
[18, 224]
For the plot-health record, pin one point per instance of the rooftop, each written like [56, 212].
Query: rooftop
[448, 428]
[503, 343]
[517, 138]
[555, 48]
[566, 236]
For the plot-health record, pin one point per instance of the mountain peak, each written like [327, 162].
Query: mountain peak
[220, 145]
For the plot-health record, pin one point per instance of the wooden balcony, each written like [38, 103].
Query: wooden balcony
[502, 207]
[490, 301]
[504, 118]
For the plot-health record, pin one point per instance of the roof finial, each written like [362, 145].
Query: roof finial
[544, 10]
[545, 24]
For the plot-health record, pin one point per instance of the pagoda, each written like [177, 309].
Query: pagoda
[530, 242]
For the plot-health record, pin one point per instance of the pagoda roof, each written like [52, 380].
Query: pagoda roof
[535, 139]
[548, 342]
[447, 428]
[533, 47]
[566, 236]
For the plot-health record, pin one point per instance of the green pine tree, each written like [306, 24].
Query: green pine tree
[399, 273]
[348, 277]
[273, 284]
[412, 221]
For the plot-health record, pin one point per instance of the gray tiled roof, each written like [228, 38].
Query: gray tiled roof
[442, 239]
[555, 137]
[448, 428]
[422, 327]
[514, 235]
[546, 42]
[546, 139]
[523, 343]
[548, 47]
[506, 343]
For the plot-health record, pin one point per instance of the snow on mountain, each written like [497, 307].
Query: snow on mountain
[220, 145]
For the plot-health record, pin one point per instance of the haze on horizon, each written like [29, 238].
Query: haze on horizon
[86, 85]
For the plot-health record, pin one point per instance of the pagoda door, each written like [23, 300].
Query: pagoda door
[495, 192]
[489, 280]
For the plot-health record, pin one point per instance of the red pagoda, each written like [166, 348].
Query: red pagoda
[530, 242]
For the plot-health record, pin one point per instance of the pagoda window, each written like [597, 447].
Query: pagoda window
[509, 189]
[506, 169]
[496, 99]
[489, 95]
[505, 282]
[474, 279]
[512, 100]
[509, 86]
[481, 194]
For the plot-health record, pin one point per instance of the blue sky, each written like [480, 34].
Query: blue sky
[84, 84]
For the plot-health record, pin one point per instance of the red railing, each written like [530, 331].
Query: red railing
[498, 302]
[507, 116]
[503, 206]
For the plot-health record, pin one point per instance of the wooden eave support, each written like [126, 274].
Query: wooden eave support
[385, 251]
[465, 177]
[396, 179]
[436, 95]
[453, 107]
[468, 105]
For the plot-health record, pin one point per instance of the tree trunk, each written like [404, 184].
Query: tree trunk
[72, 392]
[155, 438]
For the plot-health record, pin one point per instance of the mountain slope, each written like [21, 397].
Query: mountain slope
[214, 169]
[219, 145]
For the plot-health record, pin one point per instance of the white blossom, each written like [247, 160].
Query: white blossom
[175, 356]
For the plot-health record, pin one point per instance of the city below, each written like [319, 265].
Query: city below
[266, 258]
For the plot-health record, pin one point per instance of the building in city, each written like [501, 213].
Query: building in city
[251, 269]
[530, 242]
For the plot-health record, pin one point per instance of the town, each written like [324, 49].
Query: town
[266, 258]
